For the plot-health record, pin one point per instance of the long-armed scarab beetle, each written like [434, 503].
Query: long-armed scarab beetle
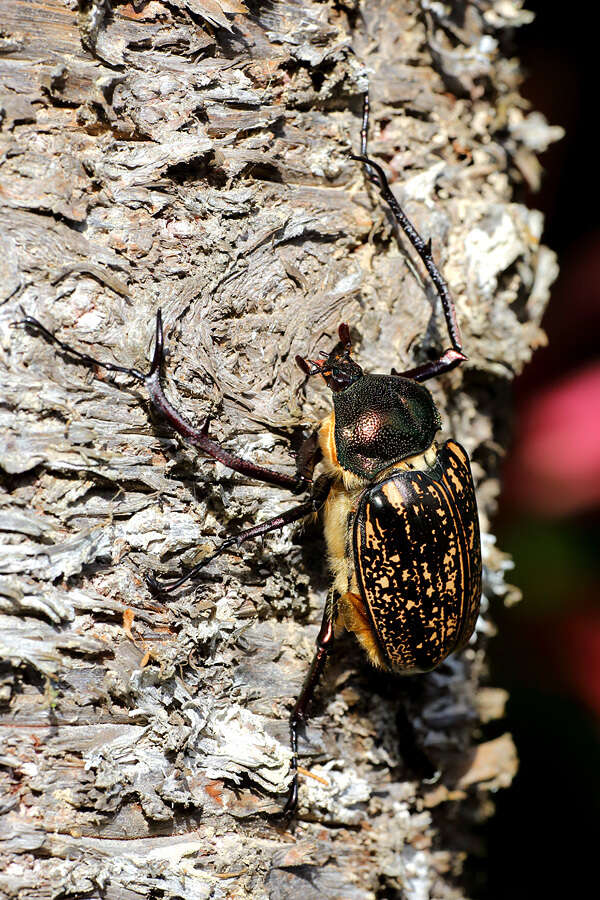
[399, 511]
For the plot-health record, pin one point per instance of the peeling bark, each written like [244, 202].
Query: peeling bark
[198, 161]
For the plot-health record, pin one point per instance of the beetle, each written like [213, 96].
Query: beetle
[399, 511]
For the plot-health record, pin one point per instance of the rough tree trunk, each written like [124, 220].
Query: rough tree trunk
[198, 161]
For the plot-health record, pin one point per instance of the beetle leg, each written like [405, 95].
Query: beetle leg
[453, 356]
[85, 358]
[422, 247]
[197, 437]
[450, 359]
[300, 711]
[318, 497]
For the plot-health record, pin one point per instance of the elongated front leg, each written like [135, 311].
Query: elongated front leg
[300, 711]
[454, 355]
[318, 497]
[152, 382]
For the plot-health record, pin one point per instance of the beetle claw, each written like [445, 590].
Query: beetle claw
[154, 586]
[291, 804]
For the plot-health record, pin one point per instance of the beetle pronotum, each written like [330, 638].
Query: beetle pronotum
[399, 512]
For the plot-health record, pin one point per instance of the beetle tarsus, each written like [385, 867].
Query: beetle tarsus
[422, 247]
[454, 356]
[364, 137]
[90, 361]
[156, 588]
[290, 807]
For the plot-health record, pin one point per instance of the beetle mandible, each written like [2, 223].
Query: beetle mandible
[399, 511]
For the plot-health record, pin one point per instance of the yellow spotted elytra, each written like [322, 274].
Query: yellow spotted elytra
[399, 511]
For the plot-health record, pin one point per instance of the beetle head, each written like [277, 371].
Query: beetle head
[337, 368]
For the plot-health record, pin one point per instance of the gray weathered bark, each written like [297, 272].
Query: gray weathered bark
[199, 163]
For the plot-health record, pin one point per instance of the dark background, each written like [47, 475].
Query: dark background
[542, 841]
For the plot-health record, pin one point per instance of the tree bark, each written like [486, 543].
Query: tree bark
[193, 155]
